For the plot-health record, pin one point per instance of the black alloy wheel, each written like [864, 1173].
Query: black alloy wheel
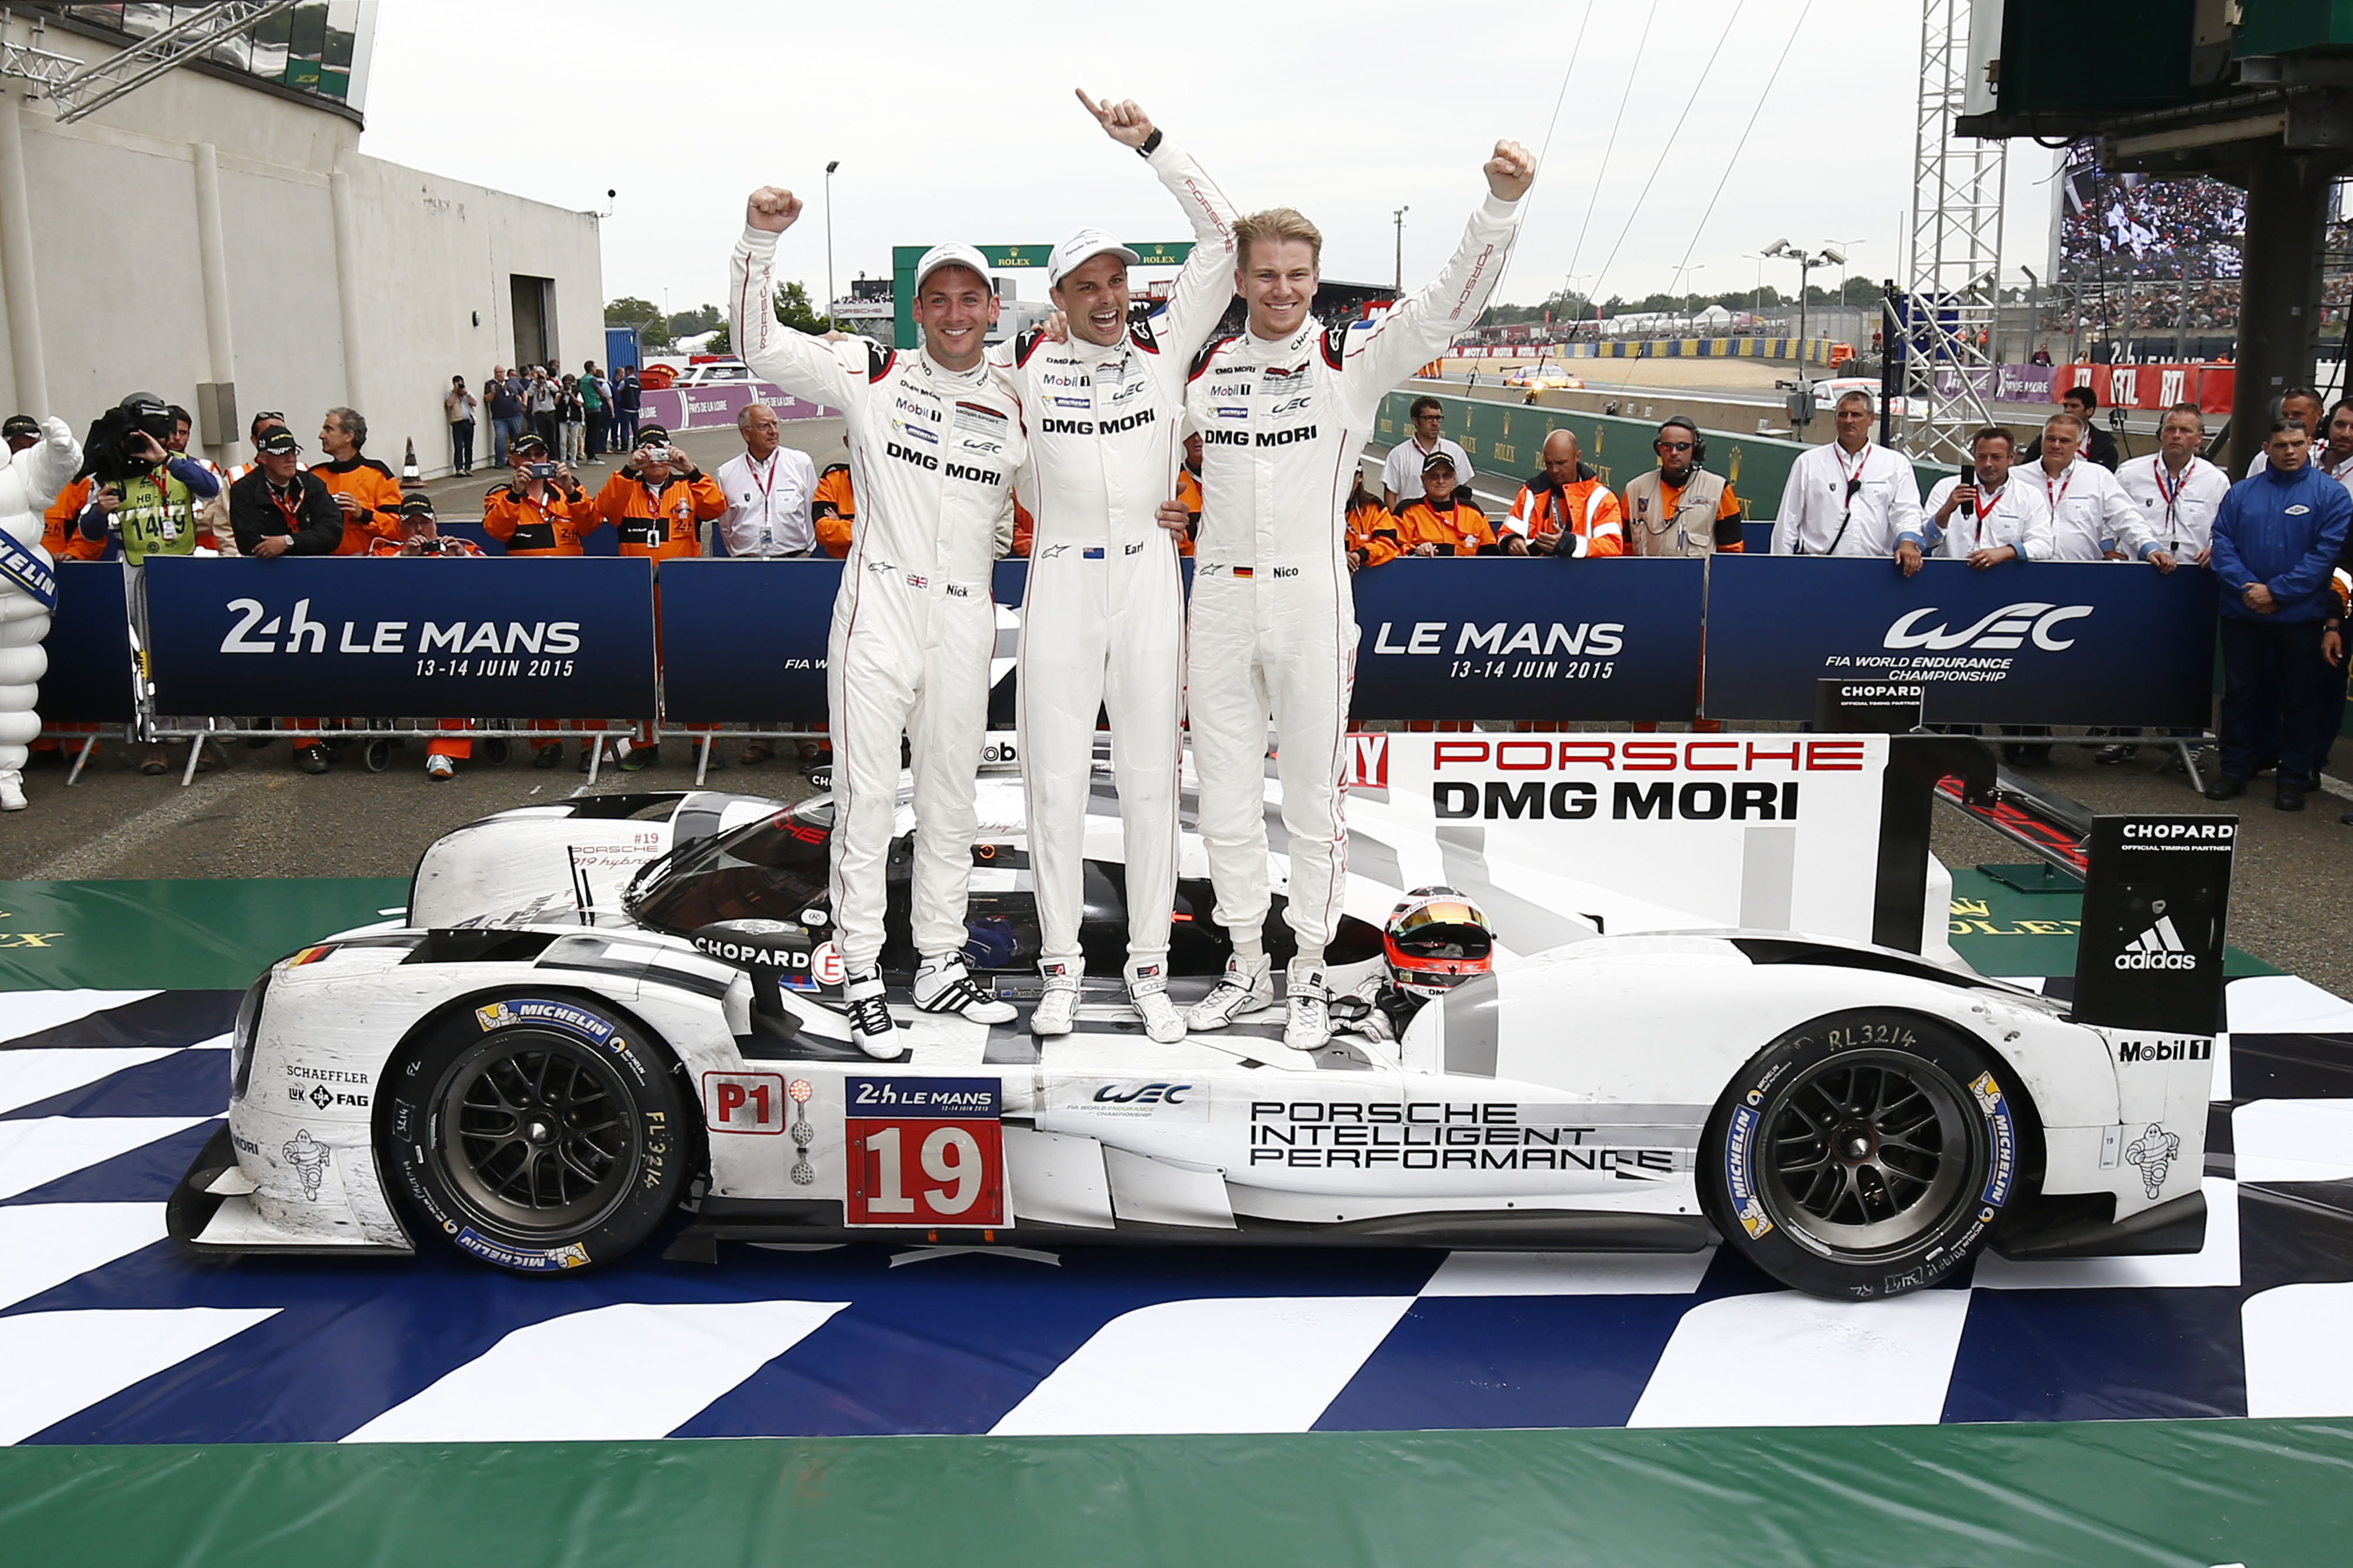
[539, 1134]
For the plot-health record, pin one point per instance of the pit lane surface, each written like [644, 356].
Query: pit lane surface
[120, 1337]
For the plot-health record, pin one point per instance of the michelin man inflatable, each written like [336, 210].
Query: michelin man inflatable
[28, 484]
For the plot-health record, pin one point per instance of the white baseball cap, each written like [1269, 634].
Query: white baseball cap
[941, 256]
[1082, 245]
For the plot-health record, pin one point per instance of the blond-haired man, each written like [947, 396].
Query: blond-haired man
[1283, 409]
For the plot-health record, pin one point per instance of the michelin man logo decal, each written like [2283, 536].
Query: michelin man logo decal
[309, 1158]
[2154, 1152]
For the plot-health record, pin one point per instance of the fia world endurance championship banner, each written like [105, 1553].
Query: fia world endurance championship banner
[555, 638]
[2022, 643]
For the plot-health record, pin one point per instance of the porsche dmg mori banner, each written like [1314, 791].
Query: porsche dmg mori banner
[2037, 642]
[1774, 832]
[463, 639]
[1540, 639]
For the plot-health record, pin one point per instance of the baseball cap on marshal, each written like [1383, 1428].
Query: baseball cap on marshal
[1082, 245]
[941, 256]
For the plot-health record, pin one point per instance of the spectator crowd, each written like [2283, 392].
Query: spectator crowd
[2065, 495]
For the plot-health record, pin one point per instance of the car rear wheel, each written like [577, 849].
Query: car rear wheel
[538, 1133]
[1861, 1155]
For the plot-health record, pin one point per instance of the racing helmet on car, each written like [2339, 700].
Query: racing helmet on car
[1436, 939]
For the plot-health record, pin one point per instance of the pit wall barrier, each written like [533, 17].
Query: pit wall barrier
[1439, 639]
[1505, 442]
[1809, 350]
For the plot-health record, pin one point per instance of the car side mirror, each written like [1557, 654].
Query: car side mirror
[775, 954]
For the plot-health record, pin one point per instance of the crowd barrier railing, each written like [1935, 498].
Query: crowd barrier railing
[743, 643]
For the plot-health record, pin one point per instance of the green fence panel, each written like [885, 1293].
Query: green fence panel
[1506, 438]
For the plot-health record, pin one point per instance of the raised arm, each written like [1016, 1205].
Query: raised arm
[1412, 333]
[804, 366]
[1208, 280]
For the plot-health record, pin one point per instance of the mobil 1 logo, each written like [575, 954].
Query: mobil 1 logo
[2157, 894]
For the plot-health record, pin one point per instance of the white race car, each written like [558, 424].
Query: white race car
[600, 1012]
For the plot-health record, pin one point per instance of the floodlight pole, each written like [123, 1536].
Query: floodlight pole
[830, 166]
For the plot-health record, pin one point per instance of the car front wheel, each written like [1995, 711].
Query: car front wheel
[1864, 1154]
[537, 1133]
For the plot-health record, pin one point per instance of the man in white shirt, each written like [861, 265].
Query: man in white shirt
[1401, 473]
[2177, 491]
[2091, 515]
[768, 489]
[1988, 520]
[1851, 498]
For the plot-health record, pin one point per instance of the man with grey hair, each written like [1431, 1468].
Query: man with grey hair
[768, 489]
[1853, 496]
[364, 490]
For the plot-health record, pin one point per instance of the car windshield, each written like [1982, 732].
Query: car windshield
[774, 867]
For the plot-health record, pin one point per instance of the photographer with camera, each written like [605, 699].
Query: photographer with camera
[542, 510]
[420, 536]
[149, 495]
[655, 505]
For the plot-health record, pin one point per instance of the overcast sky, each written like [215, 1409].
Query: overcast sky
[956, 121]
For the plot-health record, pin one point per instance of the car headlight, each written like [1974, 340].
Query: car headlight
[240, 1042]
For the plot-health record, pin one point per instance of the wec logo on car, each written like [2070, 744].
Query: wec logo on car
[2004, 628]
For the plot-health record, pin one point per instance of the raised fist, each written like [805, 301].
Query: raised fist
[773, 208]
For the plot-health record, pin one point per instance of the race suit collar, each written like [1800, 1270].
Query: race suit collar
[1284, 347]
[973, 377]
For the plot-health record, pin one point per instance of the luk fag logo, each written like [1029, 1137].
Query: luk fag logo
[1368, 761]
[2005, 628]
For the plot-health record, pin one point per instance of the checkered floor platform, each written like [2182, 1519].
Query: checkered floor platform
[114, 1335]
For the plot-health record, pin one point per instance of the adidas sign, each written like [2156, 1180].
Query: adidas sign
[2158, 947]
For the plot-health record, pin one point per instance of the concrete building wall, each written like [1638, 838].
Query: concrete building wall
[118, 300]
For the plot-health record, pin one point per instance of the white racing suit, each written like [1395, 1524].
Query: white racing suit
[1274, 627]
[1104, 623]
[29, 482]
[932, 457]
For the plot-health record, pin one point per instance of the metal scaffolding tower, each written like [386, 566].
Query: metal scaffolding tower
[75, 89]
[1957, 199]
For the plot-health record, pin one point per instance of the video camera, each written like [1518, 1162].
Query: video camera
[108, 453]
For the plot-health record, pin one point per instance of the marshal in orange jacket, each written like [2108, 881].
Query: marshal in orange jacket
[660, 522]
[1456, 529]
[833, 510]
[378, 494]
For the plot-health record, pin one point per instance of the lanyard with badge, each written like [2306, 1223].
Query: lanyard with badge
[767, 483]
[2059, 499]
[2172, 495]
[1988, 502]
[1853, 489]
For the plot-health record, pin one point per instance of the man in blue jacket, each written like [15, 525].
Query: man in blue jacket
[2276, 538]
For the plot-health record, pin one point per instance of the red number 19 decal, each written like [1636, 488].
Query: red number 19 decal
[926, 1172]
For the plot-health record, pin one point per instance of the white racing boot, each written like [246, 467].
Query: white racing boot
[944, 985]
[1244, 988]
[1309, 1026]
[1058, 1006]
[1147, 989]
[871, 1024]
[12, 790]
